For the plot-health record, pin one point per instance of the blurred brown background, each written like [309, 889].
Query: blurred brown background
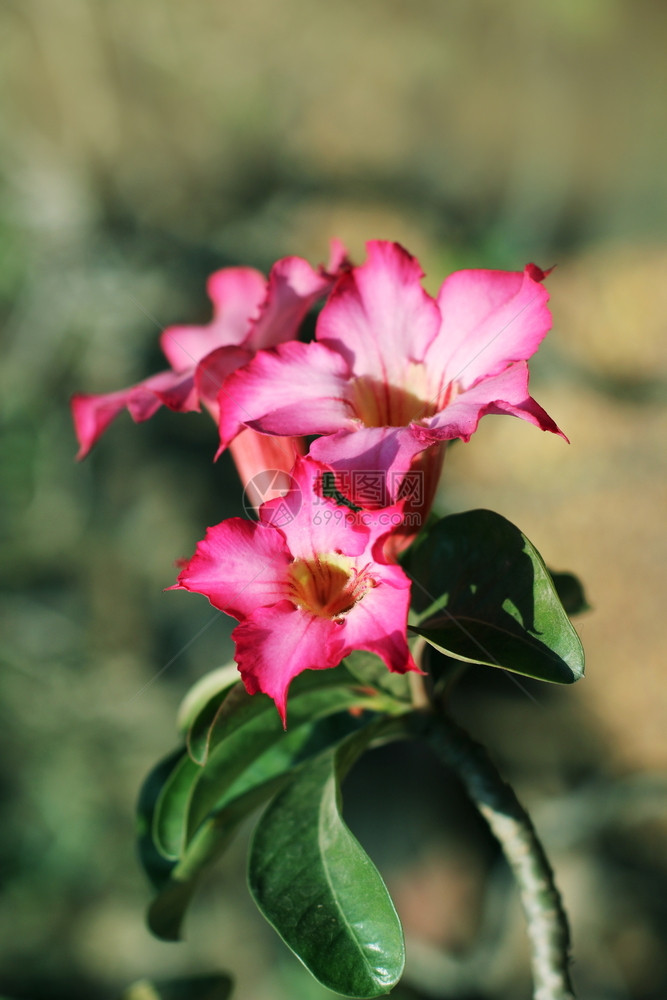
[141, 147]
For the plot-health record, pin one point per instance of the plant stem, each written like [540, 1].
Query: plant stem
[509, 822]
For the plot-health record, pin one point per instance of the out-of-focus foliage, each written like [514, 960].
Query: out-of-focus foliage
[143, 146]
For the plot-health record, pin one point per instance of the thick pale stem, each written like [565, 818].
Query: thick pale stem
[547, 922]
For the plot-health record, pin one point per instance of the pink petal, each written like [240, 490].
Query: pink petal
[185, 346]
[295, 389]
[239, 565]
[275, 644]
[375, 458]
[293, 288]
[378, 621]
[93, 414]
[317, 525]
[237, 293]
[504, 393]
[213, 370]
[489, 320]
[378, 315]
[175, 389]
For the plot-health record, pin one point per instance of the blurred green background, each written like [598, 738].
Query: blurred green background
[143, 146]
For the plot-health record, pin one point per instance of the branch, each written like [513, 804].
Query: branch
[547, 922]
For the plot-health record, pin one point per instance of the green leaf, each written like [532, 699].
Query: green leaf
[214, 711]
[211, 687]
[168, 909]
[216, 987]
[234, 729]
[194, 810]
[316, 885]
[201, 706]
[238, 706]
[156, 866]
[486, 596]
[172, 807]
[261, 779]
[249, 725]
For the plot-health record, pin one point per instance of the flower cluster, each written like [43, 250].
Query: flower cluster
[391, 375]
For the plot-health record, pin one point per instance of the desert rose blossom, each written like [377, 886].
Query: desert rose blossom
[307, 583]
[393, 371]
[250, 313]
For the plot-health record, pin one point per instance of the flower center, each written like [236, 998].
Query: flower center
[381, 404]
[328, 586]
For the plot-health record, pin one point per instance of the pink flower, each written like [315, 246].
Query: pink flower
[307, 583]
[393, 371]
[250, 313]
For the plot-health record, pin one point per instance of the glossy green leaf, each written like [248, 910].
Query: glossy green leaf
[217, 707]
[168, 909]
[172, 808]
[201, 706]
[216, 987]
[238, 732]
[485, 596]
[316, 885]
[155, 864]
[211, 687]
[194, 809]
[238, 706]
[259, 781]
[249, 725]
